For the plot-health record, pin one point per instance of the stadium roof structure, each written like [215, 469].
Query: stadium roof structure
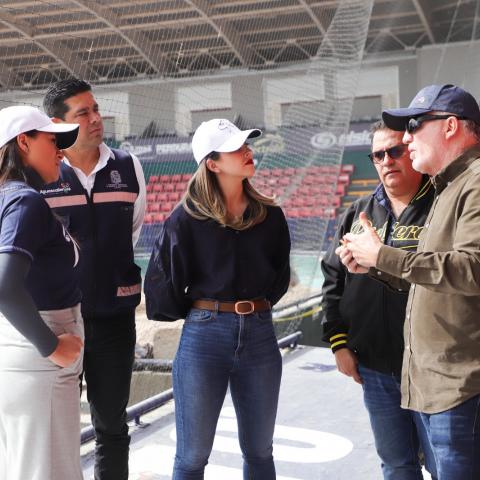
[106, 41]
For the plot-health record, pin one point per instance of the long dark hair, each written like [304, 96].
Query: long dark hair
[11, 161]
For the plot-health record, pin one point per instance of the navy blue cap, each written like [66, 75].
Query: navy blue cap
[441, 98]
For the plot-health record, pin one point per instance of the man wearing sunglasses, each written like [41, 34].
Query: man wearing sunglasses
[364, 318]
[441, 365]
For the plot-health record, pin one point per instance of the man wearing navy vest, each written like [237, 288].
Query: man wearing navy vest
[100, 198]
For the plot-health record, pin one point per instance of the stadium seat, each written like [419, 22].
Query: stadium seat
[162, 197]
[176, 178]
[347, 168]
[168, 187]
[154, 178]
[167, 207]
[153, 207]
[293, 212]
[159, 217]
[181, 186]
[157, 187]
[298, 202]
[151, 197]
[343, 178]
[173, 196]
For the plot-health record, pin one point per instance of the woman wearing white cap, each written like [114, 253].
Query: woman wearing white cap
[221, 261]
[41, 330]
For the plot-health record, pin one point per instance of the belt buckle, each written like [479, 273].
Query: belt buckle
[249, 302]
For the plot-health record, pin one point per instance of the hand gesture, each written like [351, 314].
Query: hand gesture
[347, 259]
[365, 246]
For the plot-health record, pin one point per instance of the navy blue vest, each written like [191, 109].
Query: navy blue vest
[102, 225]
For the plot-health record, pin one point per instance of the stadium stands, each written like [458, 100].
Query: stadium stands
[318, 193]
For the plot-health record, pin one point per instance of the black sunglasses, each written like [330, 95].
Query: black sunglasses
[415, 123]
[393, 152]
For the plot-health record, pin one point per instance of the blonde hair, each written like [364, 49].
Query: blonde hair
[203, 200]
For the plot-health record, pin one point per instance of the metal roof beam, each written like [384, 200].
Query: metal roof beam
[424, 10]
[246, 55]
[66, 57]
[136, 39]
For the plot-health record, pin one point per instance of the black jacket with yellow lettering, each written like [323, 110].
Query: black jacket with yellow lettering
[360, 312]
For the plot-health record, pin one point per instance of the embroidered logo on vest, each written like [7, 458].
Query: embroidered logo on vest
[115, 177]
[116, 180]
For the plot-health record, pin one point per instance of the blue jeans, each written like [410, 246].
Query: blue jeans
[398, 433]
[455, 438]
[217, 350]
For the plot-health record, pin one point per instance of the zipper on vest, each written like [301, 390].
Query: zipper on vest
[91, 210]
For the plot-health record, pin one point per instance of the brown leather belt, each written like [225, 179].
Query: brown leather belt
[242, 307]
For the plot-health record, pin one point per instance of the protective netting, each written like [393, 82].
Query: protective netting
[159, 68]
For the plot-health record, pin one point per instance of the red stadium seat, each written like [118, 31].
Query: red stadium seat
[317, 212]
[348, 168]
[157, 187]
[343, 178]
[162, 197]
[150, 187]
[181, 186]
[186, 177]
[168, 187]
[151, 197]
[298, 202]
[293, 212]
[173, 196]
[176, 178]
[153, 207]
[159, 217]
[154, 178]
[167, 207]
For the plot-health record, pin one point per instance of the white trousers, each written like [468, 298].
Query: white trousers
[39, 405]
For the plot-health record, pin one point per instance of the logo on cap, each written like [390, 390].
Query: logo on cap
[225, 125]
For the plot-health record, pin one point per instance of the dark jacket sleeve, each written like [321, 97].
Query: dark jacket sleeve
[282, 261]
[167, 277]
[17, 305]
[334, 326]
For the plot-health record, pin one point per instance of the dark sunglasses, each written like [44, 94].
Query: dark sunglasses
[393, 152]
[415, 123]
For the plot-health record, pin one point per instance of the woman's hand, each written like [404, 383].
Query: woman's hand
[68, 350]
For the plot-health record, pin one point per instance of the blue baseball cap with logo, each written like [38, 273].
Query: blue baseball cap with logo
[441, 98]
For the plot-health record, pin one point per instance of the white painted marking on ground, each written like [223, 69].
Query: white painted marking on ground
[313, 446]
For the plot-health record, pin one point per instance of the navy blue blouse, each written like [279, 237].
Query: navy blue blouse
[29, 227]
[194, 259]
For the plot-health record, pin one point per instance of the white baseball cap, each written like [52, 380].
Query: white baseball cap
[22, 118]
[219, 135]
